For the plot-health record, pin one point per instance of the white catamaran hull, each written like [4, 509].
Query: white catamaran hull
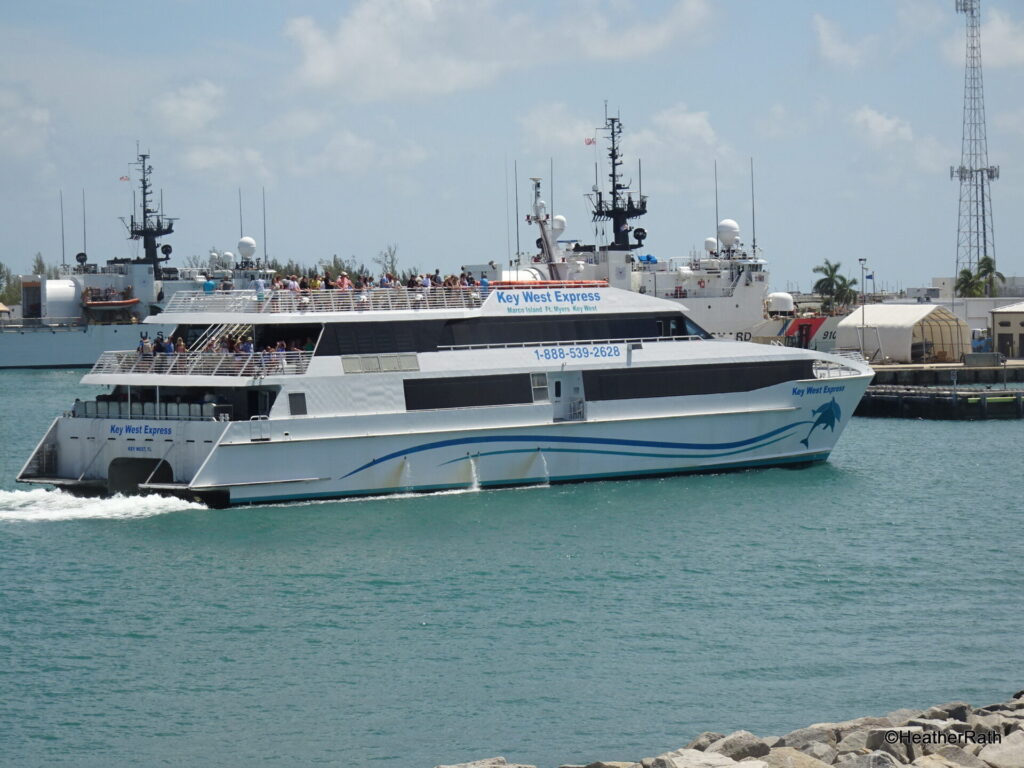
[247, 462]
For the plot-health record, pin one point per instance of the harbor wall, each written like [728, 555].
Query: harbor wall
[951, 735]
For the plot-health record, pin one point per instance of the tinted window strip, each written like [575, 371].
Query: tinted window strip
[467, 391]
[675, 381]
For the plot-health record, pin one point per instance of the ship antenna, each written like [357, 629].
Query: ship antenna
[753, 218]
[241, 232]
[717, 244]
[264, 191]
[515, 168]
[84, 248]
[508, 228]
[63, 258]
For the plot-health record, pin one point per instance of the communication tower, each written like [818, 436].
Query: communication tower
[975, 238]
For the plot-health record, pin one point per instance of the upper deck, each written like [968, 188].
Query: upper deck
[388, 304]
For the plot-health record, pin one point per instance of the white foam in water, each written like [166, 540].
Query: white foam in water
[40, 505]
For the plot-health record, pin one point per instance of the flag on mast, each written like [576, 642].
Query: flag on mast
[589, 141]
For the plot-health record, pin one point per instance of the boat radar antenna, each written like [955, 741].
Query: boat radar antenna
[753, 218]
[151, 223]
[619, 206]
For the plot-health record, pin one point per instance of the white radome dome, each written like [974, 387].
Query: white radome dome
[781, 302]
[728, 232]
[710, 244]
[246, 247]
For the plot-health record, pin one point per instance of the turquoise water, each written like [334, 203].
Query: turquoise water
[604, 620]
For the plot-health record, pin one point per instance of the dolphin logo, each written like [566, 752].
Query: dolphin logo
[827, 416]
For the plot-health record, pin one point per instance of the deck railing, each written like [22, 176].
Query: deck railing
[826, 369]
[206, 363]
[327, 300]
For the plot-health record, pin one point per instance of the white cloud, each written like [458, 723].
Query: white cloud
[685, 146]
[232, 163]
[779, 124]
[894, 137]
[881, 129]
[190, 110]
[1011, 122]
[349, 153]
[1002, 42]
[835, 50]
[599, 37]
[552, 125]
[388, 48]
[24, 126]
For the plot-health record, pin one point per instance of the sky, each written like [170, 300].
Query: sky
[403, 122]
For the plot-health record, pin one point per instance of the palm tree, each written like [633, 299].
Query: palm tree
[968, 284]
[826, 286]
[845, 291]
[987, 274]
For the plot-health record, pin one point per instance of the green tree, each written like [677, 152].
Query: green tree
[968, 284]
[826, 286]
[40, 267]
[10, 286]
[845, 293]
[987, 275]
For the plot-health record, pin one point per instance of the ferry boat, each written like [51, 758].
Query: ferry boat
[724, 288]
[68, 321]
[394, 390]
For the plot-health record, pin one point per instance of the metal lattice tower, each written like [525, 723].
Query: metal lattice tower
[975, 238]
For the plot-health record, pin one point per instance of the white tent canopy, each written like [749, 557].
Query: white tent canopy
[905, 333]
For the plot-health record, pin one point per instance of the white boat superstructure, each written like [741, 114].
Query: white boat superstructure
[68, 321]
[723, 288]
[396, 390]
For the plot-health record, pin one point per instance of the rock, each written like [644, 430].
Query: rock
[610, 764]
[987, 723]
[902, 745]
[804, 736]
[933, 761]
[489, 762]
[773, 741]
[870, 760]
[845, 727]
[738, 745]
[704, 740]
[1007, 754]
[900, 716]
[789, 757]
[958, 757]
[694, 758]
[1019, 695]
[955, 710]
[854, 742]
[826, 753]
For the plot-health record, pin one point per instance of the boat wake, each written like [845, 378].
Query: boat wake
[39, 505]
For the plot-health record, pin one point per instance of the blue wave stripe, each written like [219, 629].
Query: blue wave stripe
[617, 453]
[576, 440]
[777, 462]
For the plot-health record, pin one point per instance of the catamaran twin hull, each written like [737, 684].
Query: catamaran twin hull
[224, 463]
[402, 391]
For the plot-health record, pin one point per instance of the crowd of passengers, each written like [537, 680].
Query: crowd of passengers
[316, 282]
[239, 346]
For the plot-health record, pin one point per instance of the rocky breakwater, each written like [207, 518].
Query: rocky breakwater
[953, 735]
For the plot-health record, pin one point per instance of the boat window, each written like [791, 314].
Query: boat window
[558, 389]
[540, 387]
[297, 403]
[678, 380]
[467, 391]
[364, 338]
